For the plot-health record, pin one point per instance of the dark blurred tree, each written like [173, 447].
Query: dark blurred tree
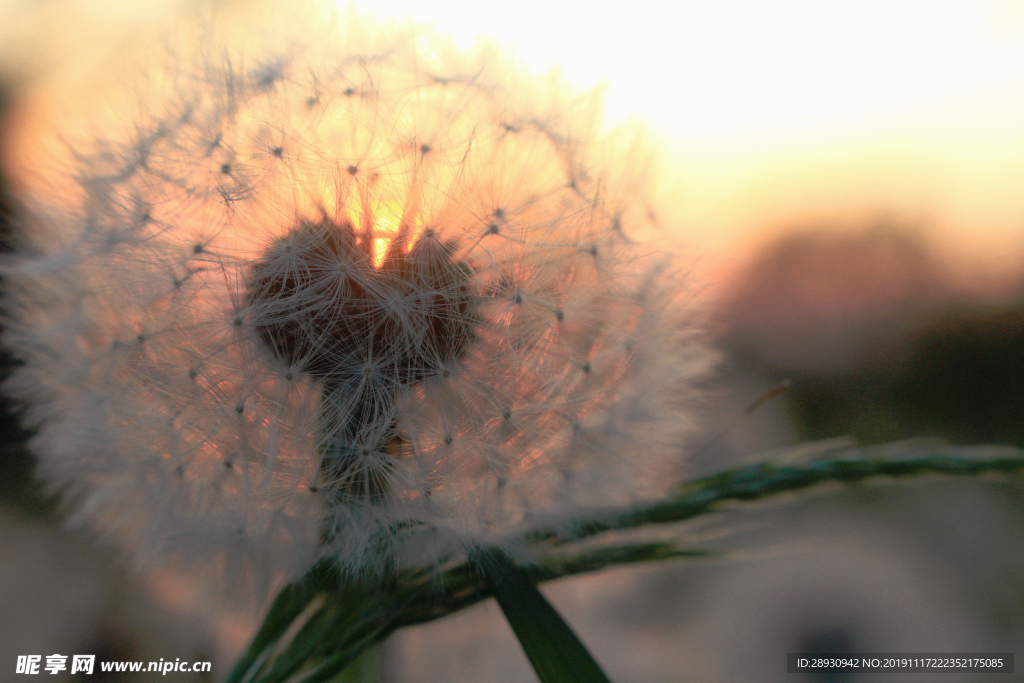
[878, 347]
[963, 381]
[819, 301]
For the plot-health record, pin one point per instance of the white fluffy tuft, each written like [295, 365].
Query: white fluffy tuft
[176, 428]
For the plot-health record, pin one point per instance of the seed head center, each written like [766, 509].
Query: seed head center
[363, 331]
[324, 307]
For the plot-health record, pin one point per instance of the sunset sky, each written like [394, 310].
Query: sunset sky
[795, 111]
[771, 115]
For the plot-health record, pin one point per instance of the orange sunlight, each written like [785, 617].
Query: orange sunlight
[380, 249]
[386, 218]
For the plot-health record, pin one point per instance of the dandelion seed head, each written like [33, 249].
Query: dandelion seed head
[364, 297]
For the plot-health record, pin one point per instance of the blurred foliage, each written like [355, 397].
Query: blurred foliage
[878, 341]
[961, 381]
[821, 300]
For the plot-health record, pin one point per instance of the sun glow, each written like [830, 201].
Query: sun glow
[380, 249]
[384, 225]
[386, 222]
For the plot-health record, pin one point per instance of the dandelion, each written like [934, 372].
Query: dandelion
[361, 298]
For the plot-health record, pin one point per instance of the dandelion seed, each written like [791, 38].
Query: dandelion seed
[392, 343]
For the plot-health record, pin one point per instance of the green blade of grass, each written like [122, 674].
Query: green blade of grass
[356, 616]
[554, 650]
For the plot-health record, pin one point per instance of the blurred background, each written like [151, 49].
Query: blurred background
[846, 182]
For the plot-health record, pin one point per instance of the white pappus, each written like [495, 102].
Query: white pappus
[362, 297]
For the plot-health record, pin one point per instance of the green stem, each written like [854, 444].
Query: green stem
[754, 482]
[355, 617]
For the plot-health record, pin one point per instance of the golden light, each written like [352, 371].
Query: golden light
[383, 217]
[386, 220]
[380, 248]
